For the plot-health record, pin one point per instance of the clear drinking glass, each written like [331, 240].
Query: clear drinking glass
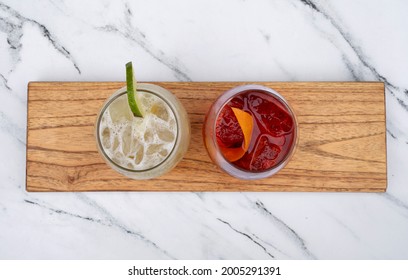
[148, 147]
[273, 138]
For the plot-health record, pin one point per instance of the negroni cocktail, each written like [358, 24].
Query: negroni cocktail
[250, 132]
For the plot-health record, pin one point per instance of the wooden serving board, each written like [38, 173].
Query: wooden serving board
[341, 140]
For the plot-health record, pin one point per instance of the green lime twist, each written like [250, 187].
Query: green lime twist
[133, 96]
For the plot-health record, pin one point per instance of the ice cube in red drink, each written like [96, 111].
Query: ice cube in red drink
[229, 133]
[265, 154]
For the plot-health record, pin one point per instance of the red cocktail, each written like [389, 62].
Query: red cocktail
[250, 132]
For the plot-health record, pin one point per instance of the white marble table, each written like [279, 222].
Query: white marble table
[208, 40]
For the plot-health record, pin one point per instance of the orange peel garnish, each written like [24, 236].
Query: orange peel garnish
[246, 123]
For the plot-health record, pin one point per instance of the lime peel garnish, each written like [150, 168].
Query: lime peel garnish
[133, 96]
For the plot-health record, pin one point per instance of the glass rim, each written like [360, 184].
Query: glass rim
[113, 97]
[228, 96]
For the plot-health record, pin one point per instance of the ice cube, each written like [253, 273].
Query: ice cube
[153, 149]
[146, 99]
[258, 104]
[160, 111]
[265, 154]
[118, 158]
[148, 136]
[228, 130]
[115, 143]
[164, 152]
[165, 134]
[106, 142]
[119, 110]
[127, 140]
[287, 124]
[172, 123]
[139, 154]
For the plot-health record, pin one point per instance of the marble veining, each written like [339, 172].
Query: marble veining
[132, 33]
[288, 230]
[296, 40]
[392, 89]
[12, 24]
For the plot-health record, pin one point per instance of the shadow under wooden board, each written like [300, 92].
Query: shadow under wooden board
[341, 144]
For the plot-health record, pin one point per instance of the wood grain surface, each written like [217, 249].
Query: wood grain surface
[341, 144]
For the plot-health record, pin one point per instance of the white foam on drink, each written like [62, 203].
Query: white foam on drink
[138, 143]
